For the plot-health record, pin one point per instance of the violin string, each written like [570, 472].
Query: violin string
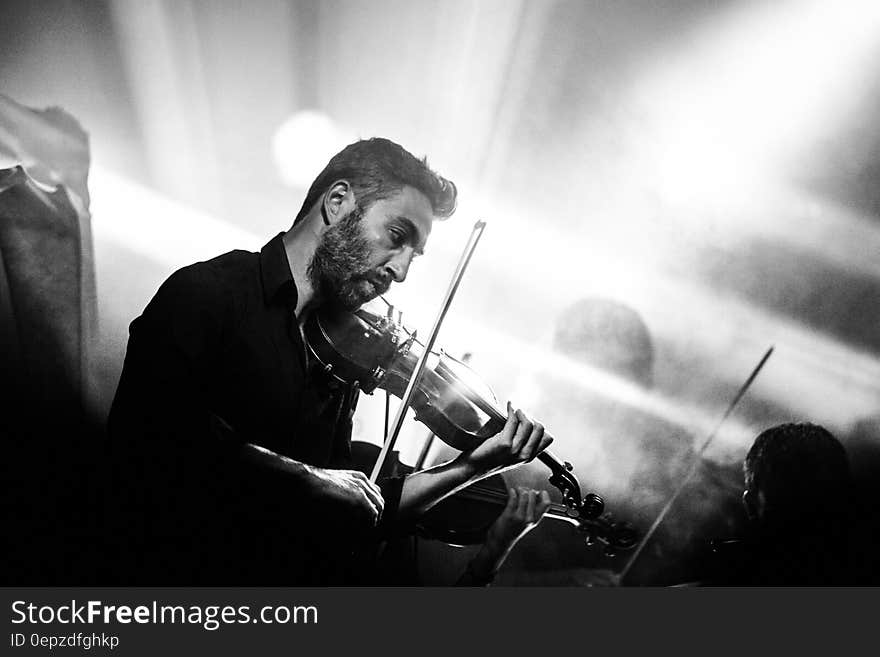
[486, 493]
[490, 494]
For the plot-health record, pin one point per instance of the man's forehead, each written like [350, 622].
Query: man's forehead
[411, 206]
[413, 202]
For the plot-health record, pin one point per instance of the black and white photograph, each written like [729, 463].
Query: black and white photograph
[505, 294]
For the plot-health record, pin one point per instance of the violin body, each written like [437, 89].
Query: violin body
[373, 351]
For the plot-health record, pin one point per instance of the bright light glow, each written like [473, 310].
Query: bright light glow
[542, 360]
[537, 359]
[303, 145]
[735, 106]
[156, 227]
[673, 308]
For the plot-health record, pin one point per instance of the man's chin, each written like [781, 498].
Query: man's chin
[353, 296]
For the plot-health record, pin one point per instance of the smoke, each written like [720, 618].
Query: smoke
[631, 445]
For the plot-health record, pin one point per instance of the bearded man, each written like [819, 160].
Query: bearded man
[230, 455]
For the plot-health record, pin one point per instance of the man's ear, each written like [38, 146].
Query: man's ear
[338, 202]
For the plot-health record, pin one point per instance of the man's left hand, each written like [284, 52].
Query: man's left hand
[520, 441]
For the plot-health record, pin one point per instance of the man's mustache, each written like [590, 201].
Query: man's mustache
[381, 283]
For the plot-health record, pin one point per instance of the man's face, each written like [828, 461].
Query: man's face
[361, 254]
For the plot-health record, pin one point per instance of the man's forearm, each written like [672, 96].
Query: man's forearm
[420, 491]
[264, 460]
[519, 441]
[272, 473]
[349, 490]
[424, 489]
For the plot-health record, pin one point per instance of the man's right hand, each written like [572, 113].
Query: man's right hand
[349, 488]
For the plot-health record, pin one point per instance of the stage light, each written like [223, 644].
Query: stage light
[733, 109]
[304, 143]
[163, 231]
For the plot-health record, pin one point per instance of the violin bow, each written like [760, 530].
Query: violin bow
[391, 437]
[694, 465]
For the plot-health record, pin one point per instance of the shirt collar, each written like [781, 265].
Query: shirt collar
[278, 283]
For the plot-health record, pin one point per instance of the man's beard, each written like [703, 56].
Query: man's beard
[340, 267]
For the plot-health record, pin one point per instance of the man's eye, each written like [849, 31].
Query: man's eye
[397, 236]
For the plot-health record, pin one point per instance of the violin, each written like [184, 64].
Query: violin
[371, 351]
[465, 517]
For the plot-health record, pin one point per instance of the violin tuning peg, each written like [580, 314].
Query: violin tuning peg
[609, 552]
[592, 505]
[590, 540]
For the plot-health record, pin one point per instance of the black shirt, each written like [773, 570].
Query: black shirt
[219, 343]
[216, 360]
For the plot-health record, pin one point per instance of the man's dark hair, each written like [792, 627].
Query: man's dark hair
[800, 468]
[377, 169]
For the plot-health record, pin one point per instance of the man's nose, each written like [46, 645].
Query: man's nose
[398, 266]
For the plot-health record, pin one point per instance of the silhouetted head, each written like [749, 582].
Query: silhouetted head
[608, 335]
[796, 473]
